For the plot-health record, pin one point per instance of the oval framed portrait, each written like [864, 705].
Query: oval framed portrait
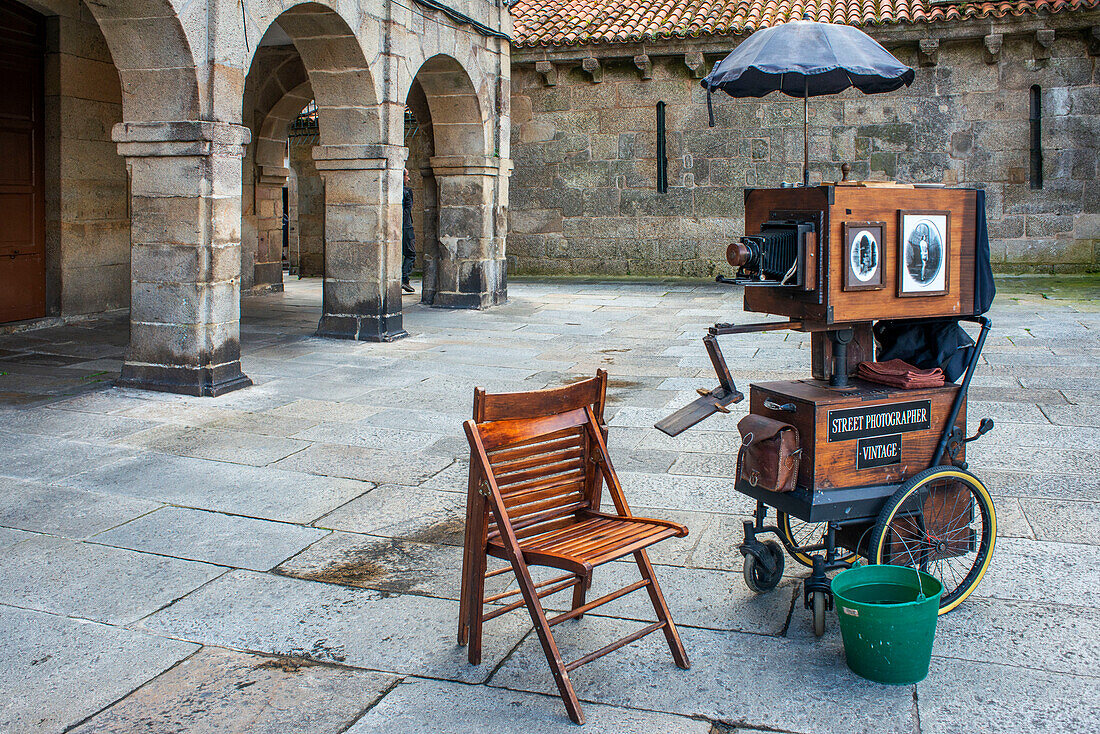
[863, 256]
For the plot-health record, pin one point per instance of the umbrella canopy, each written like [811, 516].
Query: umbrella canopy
[806, 59]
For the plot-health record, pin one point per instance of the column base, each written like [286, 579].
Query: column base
[205, 382]
[362, 328]
[467, 300]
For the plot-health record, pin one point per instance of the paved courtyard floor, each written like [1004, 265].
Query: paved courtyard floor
[286, 558]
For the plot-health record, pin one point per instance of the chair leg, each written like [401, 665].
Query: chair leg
[464, 600]
[661, 608]
[475, 605]
[580, 592]
[549, 645]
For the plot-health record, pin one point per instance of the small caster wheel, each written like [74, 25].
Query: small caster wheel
[757, 576]
[817, 606]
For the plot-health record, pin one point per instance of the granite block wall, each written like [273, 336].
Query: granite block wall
[584, 195]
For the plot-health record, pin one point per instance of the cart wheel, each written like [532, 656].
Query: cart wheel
[796, 535]
[757, 577]
[941, 521]
[817, 605]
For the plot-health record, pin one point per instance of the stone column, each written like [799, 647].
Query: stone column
[471, 270]
[269, 227]
[362, 288]
[185, 255]
[310, 204]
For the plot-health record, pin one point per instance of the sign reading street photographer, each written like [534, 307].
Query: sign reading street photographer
[879, 420]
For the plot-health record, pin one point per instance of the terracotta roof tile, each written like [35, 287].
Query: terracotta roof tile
[568, 22]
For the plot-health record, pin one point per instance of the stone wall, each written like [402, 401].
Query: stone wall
[87, 217]
[584, 193]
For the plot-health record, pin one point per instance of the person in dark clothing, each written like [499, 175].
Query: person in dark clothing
[408, 250]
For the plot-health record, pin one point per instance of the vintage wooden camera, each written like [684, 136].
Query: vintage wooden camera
[833, 260]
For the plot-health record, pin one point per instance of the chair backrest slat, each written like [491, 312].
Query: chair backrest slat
[504, 406]
[537, 445]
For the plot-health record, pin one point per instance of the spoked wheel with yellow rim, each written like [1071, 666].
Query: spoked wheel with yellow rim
[941, 521]
[797, 535]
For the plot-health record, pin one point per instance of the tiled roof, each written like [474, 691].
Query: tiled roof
[570, 22]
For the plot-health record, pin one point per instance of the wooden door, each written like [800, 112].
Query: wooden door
[22, 187]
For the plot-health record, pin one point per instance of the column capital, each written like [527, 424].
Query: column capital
[274, 175]
[179, 138]
[359, 157]
[470, 165]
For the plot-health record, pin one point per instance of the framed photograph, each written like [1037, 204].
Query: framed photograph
[863, 256]
[923, 251]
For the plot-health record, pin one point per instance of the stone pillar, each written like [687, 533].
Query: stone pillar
[185, 256]
[470, 271]
[310, 204]
[362, 288]
[269, 227]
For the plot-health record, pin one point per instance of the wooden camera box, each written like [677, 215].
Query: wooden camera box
[864, 435]
[848, 253]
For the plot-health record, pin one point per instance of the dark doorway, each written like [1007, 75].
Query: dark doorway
[22, 188]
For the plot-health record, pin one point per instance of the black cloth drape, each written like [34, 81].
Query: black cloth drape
[942, 342]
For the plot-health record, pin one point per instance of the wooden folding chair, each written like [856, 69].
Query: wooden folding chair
[538, 462]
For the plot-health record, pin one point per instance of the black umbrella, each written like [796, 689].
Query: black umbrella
[805, 59]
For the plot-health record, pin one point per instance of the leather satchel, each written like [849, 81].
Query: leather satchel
[769, 454]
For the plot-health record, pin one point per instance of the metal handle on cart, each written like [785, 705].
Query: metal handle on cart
[960, 396]
[783, 407]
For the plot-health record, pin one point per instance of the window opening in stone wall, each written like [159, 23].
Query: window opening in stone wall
[662, 159]
[1036, 137]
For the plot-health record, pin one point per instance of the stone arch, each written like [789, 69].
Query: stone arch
[457, 116]
[344, 88]
[151, 52]
[464, 263]
[362, 194]
[276, 89]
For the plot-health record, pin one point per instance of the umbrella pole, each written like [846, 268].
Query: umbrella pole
[806, 134]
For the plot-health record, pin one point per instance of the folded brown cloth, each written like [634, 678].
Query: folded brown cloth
[897, 373]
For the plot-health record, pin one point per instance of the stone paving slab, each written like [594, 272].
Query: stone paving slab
[707, 598]
[218, 445]
[1029, 570]
[10, 537]
[1063, 522]
[87, 427]
[263, 492]
[94, 581]
[1005, 699]
[399, 511]
[384, 564]
[366, 464]
[70, 513]
[217, 691]
[21, 456]
[398, 633]
[753, 680]
[415, 705]
[212, 537]
[56, 671]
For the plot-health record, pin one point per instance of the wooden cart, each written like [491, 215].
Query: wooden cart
[882, 474]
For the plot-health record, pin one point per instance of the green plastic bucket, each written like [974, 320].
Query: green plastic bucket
[886, 626]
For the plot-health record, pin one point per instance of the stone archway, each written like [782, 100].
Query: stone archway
[464, 263]
[362, 180]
